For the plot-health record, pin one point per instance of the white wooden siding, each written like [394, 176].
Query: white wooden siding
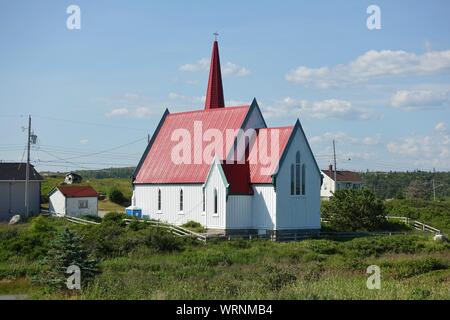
[303, 211]
[147, 199]
[327, 187]
[72, 207]
[216, 181]
[264, 206]
[57, 202]
[239, 212]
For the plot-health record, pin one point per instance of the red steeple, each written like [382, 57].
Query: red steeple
[214, 94]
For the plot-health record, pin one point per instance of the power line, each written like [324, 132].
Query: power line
[106, 150]
[88, 123]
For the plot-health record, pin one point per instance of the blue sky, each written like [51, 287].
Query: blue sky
[95, 93]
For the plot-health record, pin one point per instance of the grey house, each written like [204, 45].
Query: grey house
[12, 190]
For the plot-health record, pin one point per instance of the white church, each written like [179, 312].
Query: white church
[223, 167]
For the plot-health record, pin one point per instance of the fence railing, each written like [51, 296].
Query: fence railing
[416, 224]
[183, 232]
[70, 218]
[177, 230]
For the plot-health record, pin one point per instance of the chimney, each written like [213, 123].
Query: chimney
[330, 167]
[214, 93]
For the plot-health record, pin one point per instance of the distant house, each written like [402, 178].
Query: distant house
[72, 177]
[12, 190]
[73, 201]
[345, 180]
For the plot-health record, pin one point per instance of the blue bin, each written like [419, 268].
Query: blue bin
[136, 212]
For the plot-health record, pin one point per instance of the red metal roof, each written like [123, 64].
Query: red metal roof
[261, 172]
[77, 191]
[214, 93]
[158, 166]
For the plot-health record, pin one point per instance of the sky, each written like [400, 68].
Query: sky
[95, 93]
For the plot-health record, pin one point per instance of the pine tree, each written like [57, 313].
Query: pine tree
[67, 250]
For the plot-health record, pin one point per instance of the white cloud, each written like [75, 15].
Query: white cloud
[371, 141]
[84, 141]
[346, 139]
[328, 137]
[372, 64]
[440, 126]
[229, 69]
[182, 98]
[419, 99]
[330, 108]
[130, 105]
[427, 151]
[199, 65]
[139, 112]
[118, 112]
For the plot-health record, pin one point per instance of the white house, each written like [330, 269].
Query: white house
[224, 168]
[73, 201]
[72, 177]
[345, 180]
[12, 190]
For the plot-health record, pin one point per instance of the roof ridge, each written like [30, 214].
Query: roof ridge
[278, 127]
[210, 110]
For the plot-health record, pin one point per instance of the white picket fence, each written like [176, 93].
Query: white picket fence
[416, 224]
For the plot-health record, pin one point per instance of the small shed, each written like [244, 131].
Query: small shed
[73, 201]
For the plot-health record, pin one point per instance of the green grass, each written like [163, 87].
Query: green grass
[434, 213]
[140, 263]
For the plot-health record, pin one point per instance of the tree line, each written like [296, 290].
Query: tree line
[403, 185]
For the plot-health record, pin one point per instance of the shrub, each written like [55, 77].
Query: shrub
[114, 217]
[116, 196]
[322, 246]
[92, 218]
[240, 243]
[276, 278]
[164, 241]
[194, 226]
[410, 268]
[353, 210]
[41, 224]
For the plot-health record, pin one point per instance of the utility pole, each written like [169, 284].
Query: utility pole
[335, 173]
[434, 186]
[27, 173]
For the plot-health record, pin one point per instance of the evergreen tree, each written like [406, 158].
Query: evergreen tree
[67, 250]
[352, 210]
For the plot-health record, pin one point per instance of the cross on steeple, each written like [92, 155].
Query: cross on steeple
[216, 34]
